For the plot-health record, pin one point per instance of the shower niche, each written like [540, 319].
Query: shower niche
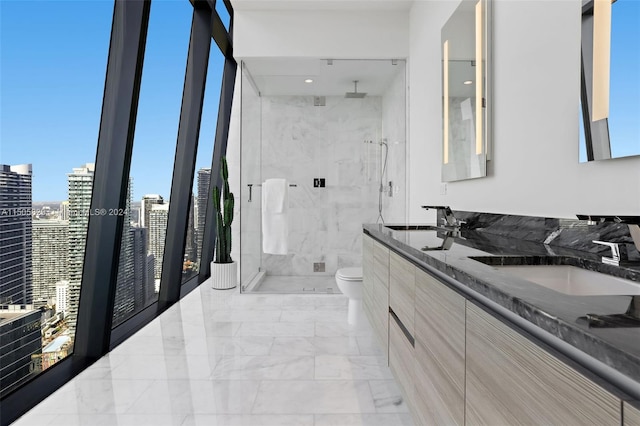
[356, 131]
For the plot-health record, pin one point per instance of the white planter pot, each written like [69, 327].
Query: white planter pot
[224, 275]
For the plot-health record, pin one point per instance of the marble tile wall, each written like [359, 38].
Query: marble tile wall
[301, 142]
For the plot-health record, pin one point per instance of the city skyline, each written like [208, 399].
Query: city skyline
[41, 274]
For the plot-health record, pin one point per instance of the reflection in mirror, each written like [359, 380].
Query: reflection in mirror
[610, 87]
[465, 60]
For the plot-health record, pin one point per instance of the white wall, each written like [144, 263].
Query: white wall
[354, 34]
[535, 168]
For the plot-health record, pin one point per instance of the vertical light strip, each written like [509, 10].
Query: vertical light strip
[445, 84]
[601, 59]
[479, 85]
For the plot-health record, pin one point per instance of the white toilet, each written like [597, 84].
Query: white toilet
[349, 282]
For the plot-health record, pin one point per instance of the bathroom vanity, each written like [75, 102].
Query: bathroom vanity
[470, 343]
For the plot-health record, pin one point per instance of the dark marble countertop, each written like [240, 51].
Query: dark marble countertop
[561, 315]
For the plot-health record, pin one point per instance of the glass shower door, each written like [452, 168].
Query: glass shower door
[250, 176]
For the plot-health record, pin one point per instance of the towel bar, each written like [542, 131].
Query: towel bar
[251, 185]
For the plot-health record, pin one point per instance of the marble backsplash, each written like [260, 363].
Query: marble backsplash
[560, 236]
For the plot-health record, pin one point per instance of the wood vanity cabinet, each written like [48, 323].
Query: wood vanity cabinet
[367, 275]
[439, 374]
[631, 414]
[401, 361]
[402, 286]
[510, 379]
[376, 288]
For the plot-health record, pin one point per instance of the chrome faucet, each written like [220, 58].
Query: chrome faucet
[632, 222]
[448, 214]
[615, 253]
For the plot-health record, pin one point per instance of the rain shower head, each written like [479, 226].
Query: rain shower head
[355, 94]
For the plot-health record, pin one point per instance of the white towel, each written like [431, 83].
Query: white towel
[275, 206]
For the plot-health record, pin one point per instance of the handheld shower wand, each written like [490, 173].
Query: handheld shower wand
[383, 170]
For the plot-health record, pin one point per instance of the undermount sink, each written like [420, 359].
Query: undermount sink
[416, 228]
[569, 279]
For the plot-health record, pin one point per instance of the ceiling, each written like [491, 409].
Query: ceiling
[286, 76]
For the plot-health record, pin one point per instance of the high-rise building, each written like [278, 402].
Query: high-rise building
[124, 303]
[50, 258]
[158, 217]
[148, 200]
[190, 246]
[152, 290]
[15, 234]
[63, 213]
[134, 212]
[80, 187]
[204, 180]
[62, 297]
[140, 278]
[195, 212]
[20, 332]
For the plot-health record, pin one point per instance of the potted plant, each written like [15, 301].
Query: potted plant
[223, 268]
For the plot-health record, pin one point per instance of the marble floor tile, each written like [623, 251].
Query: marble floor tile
[369, 345]
[276, 329]
[220, 328]
[249, 420]
[351, 368]
[35, 418]
[231, 346]
[325, 315]
[336, 329]
[224, 358]
[195, 367]
[264, 368]
[387, 397]
[363, 420]
[314, 346]
[298, 284]
[147, 419]
[246, 315]
[152, 345]
[309, 396]
[95, 397]
[101, 369]
[178, 397]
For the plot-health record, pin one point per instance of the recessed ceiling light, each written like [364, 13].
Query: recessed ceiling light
[467, 82]
[308, 80]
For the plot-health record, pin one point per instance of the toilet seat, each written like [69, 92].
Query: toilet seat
[349, 274]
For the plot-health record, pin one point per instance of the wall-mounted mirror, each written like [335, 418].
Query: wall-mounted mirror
[465, 88]
[610, 87]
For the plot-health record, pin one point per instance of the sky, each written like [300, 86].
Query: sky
[53, 57]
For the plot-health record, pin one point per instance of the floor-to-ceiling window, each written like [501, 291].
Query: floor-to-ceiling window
[145, 227]
[201, 188]
[53, 63]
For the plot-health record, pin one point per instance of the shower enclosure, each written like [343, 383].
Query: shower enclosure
[301, 121]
